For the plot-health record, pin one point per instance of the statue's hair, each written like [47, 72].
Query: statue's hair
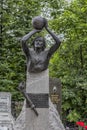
[44, 42]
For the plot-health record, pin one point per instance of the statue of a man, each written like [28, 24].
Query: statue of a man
[38, 57]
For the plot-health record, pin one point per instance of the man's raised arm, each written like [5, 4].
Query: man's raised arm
[56, 39]
[25, 39]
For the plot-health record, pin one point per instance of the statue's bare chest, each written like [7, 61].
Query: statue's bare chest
[36, 58]
[38, 61]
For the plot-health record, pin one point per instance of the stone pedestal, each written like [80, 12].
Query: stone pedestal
[37, 86]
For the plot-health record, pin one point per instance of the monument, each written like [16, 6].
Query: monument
[36, 91]
[6, 119]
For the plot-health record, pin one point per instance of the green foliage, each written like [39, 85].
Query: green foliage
[70, 62]
[73, 116]
[15, 22]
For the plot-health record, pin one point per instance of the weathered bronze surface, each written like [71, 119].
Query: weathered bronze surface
[38, 57]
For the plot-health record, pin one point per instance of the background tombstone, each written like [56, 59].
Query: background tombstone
[6, 120]
[55, 93]
[5, 102]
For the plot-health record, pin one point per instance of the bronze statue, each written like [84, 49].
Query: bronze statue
[38, 57]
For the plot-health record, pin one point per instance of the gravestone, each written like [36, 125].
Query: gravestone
[3, 128]
[5, 102]
[56, 93]
[6, 120]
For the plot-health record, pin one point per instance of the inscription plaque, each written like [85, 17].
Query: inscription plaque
[6, 120]
[55, 98]
[5, 102]
[39, 100]
[3, 128]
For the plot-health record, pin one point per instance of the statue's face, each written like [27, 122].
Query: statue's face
[38, 43]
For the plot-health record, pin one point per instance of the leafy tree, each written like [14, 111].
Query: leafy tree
[70, 62]
[15, 22]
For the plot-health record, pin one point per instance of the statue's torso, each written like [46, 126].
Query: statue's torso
[38, 61]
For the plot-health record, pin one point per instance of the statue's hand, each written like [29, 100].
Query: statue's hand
[46, 23]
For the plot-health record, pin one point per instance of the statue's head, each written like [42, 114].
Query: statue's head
[39, 43]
